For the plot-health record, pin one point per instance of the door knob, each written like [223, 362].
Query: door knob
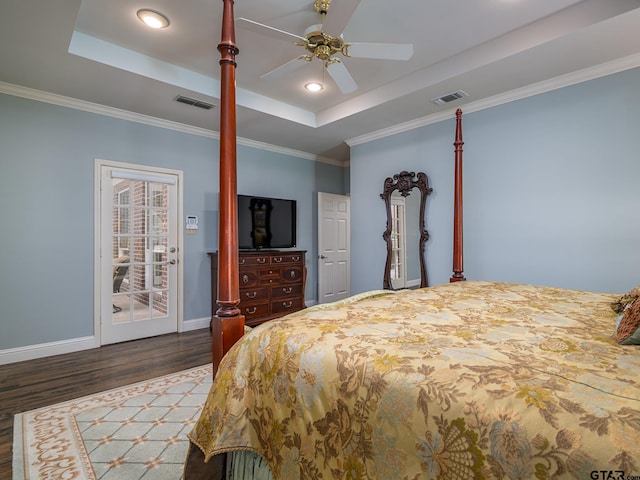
[172, 261]
[321, 256]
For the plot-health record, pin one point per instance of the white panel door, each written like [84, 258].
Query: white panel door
[138, 253]
[334, 268]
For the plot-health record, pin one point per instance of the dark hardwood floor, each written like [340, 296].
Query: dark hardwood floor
[41, 382]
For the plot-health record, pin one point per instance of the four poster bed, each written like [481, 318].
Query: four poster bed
[464, 380]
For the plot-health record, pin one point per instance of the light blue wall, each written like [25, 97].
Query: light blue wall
[419, 150]
[47, 157]
[550, 190]
[275, 175]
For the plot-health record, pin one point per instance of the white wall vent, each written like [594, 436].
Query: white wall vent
[194, 102]
[450, 97]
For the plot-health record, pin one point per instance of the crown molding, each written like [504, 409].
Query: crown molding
[76, 104]
[608, 68]
[289, 151]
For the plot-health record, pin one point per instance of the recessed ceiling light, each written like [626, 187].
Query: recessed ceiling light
[153, 19]
[314, 86]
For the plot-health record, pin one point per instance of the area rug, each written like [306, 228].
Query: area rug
[134, 432]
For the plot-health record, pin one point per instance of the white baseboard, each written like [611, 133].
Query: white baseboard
[31, 352]
[195, 324]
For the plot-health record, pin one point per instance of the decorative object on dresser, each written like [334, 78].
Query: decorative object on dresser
[271, 283]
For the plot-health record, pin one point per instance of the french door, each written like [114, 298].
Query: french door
[139, 252]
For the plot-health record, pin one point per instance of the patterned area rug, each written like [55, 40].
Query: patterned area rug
[134, 432]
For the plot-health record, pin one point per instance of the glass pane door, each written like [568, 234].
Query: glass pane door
[140, 253]
[141, 225]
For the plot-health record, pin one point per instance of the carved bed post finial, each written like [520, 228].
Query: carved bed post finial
[458, 267]
[227, 323]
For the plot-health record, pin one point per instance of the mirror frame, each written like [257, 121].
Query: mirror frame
[404, 182]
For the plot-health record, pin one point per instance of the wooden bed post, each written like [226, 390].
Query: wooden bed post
[458, 268]
[227, 324]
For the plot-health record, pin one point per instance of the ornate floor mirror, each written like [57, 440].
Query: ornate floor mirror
[405, 234]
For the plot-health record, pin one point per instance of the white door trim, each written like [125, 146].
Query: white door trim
[97, 268]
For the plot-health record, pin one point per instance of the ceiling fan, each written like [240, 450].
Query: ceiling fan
[324, 41]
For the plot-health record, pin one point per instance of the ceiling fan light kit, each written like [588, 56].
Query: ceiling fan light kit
[325, 42]
[323, 46]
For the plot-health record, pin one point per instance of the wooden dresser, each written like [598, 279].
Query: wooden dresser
[271, 284]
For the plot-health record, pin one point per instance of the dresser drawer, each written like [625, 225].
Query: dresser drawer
[256, 293]
[248, 278]
[268, 276]
[292, 274]
[282, 291]
[253, 260]
[286, 258]
[254, 310]
[286, 305]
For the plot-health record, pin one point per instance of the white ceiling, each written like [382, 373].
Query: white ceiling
[97, 51]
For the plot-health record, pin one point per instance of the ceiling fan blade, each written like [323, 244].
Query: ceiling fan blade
[386, 51]
[283, 69]
[342, 77]
[338, 16]
[267, 30]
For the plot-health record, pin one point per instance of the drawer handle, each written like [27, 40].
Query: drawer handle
[253, 294]
[277, 259]
[296, 258]
[251, 310]
[287, 304]
[287, 289]
[242, 261]
[293, 274]
[245, 278]
[261, 260]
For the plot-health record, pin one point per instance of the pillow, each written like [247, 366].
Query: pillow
[628, 324]
[625, 300]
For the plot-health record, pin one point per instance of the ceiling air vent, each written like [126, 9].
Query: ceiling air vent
[194, 102]
[450, 97]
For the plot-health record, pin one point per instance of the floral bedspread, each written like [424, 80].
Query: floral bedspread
[470, 380]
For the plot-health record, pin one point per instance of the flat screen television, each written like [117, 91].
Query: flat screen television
[266, 223]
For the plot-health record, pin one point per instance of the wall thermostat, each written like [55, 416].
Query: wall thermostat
[192, 223]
